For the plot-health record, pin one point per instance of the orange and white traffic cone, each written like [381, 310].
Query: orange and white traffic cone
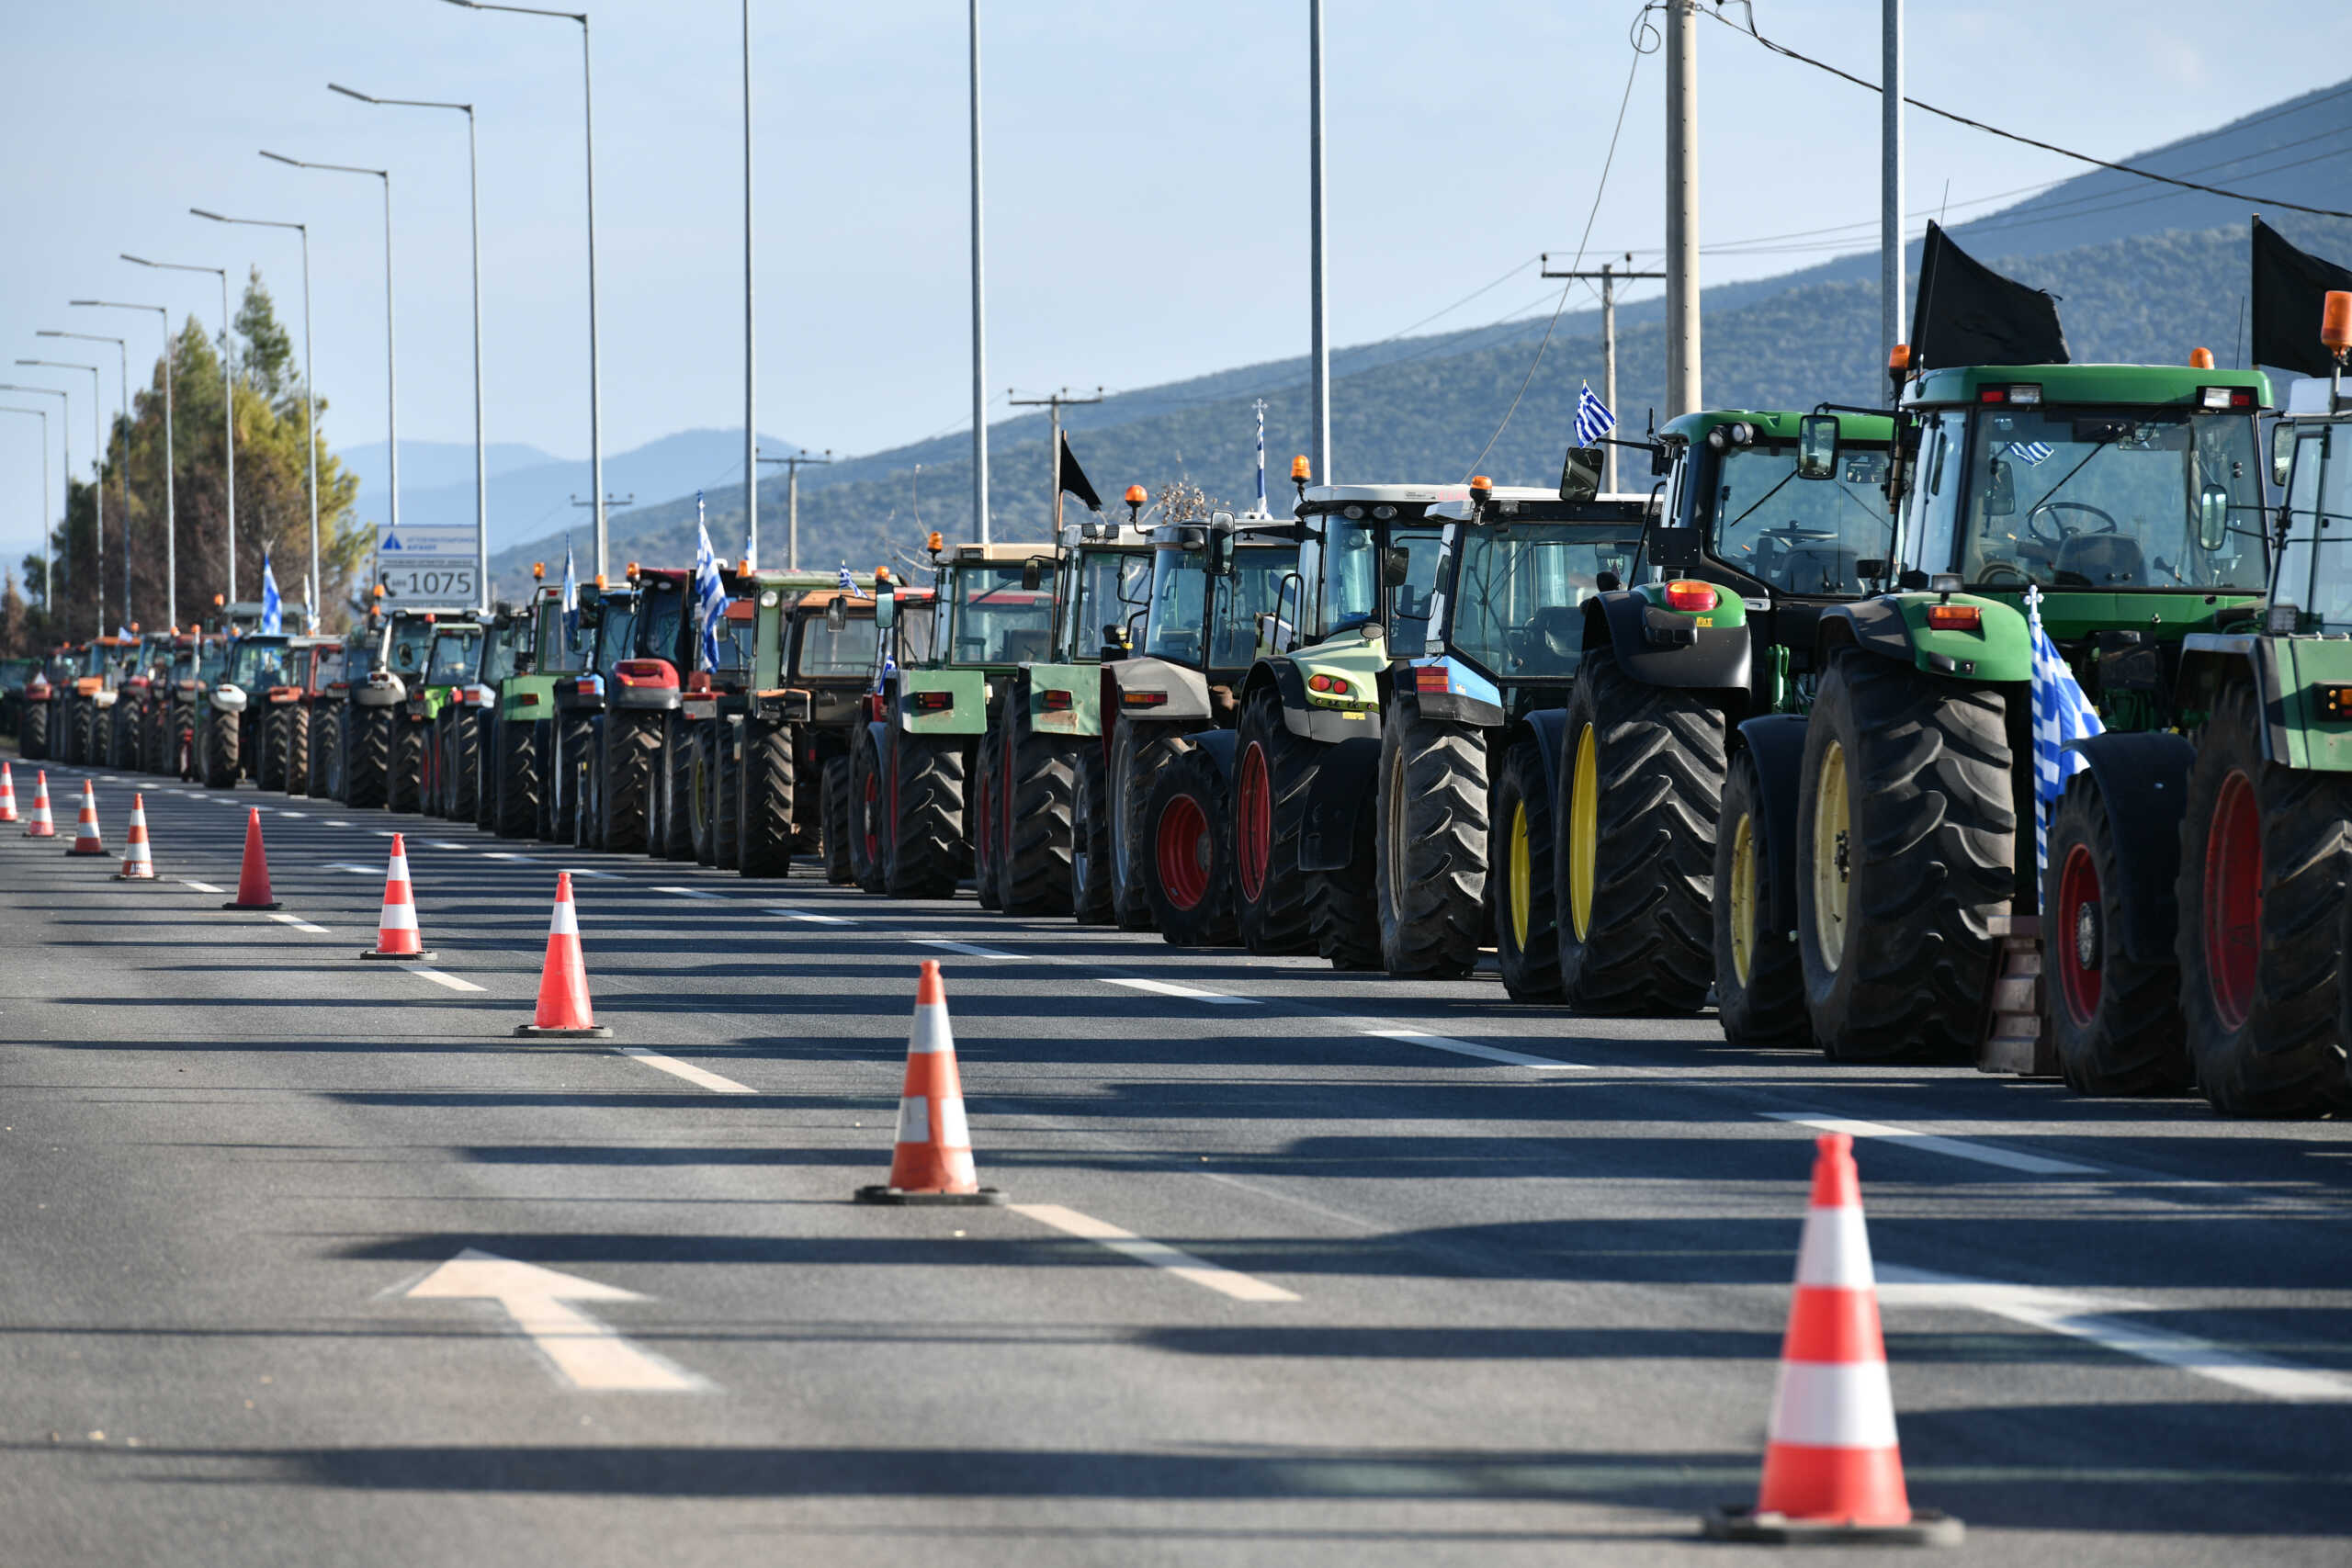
[1832, 1471]
[252, 877]
[8, 795]
[138, 865]
[41, 826]
[86, 839]
[933, 1160]
[396, 932]
[563, 1013]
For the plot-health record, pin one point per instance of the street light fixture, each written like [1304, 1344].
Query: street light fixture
[482, 452]
[99, 489]
[310, 404]
[228, 397]
[171, 507]
[122, 352]
[48, 601]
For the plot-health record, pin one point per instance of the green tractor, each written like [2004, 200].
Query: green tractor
[524, 717]
[782, 705]
[466, 733]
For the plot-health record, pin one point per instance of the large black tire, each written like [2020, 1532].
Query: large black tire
[34, 743]
[1759, 980]
[433, 777]
[220, 738]
[631, 751]
[985, 821]
[269, 773]
[1188, 823]
[1519, 876]
[80, 731]
[559, 784]
[404, 784]
[488, 733]
[1138, 753]
[2116, 1021]
[466, 769]
[1896, 903]
[327, 753]
[727, 798]
[122, 734]
[157, 746]
[298, 751]
[1641, 783]
[770, 784]
[702, 793]
[1343, 904]
[1430, 871]
[674, 832]
[2265, 888]
[1272, 770]
[519, 780]
[838, 870]
[925, 793]
[368, 757]
[869, 826]
[1090, 841]
[1039, 780]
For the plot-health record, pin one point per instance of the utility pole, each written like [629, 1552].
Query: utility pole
[1318, 411]
[1056, 401]
[752, 343]
[792, 467]
[1890, 194]
[1609, 277]
[979, 319]
[1682, 350]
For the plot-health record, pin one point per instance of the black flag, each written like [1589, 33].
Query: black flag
[1966, 313]
[1070, 479]
[2289, 290]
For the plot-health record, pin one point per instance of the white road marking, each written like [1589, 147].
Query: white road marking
[2101, 1321]
[509, 854]
[689, 893]
[439, 979]
[332, 823]
[1159, 1254]
[294, 920]
[813, 918]
[384, 832]
[352, 866]
[1958, 1148]
[584, 1352]
[685, 1070]
[599, 875]
[199, 886]
[964, 947]
[1162, 987]
[446, 844]
[283, 812]
[1469, 1048]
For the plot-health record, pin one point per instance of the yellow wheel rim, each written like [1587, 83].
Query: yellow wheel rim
[1742, 894]
[1831, 857]
[1584, 831]
[1522, 866]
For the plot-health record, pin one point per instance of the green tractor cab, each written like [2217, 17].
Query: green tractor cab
[796, 653]
[607, 617]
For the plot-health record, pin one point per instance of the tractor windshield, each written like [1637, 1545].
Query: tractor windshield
[1258, 574]
[258, 663]
[412, 642]
[1799, 535]
[659, 607]
[559, 651]
[996, 621]
[1351, 578]
[497, 654]
[211, 661]
[1178, 610]
[826, 653]
[1111, 587]
[2315, 562]
[615, 633]
[1516, 592]
[453, 658]
[2076, 498]
[328, 669]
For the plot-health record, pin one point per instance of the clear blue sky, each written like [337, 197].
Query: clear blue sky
[1146, 166]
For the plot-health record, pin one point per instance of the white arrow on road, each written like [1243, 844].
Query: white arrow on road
[584, 1352]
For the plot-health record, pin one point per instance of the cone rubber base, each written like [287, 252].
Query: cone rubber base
[108, 853]
[232, 903]
[898, 1195]
[594, 1031]
[396, 957]
[1927, 1527]
[33, 833]
[142, 876]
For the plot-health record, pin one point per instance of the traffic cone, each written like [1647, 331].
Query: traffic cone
[1832, 1472]
[138, 865]
[252, 880]
[40, 826]
[933, 1160]
[396, 932]
[87, 840]
[8, 795]
[563, 1011]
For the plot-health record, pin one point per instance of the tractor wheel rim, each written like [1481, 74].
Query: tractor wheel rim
[1742, 906]
[2077, 935]
[2232, 913]
[1182, 851]
[1256, 819]
[1522, 864]
[1831, 864]
[1584, 831]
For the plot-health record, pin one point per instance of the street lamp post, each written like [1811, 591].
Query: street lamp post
[122, 353]
[48, 604]
[482, 452]
[228, 399]
[66, 441]
[98, 488]
[595, 377]
[750, 332]
[171, 508]
[979, 318]
[310, 406]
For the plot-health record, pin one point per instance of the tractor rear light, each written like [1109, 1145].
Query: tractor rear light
[645, 672]
[526, 699]
[933, 702]
[1057, 702]
[1143, 699]
[2217, 399]
[1696, 597]
[1432, 678]
[2025, 396]
[2334, 702]
[1955, 618]
[1334, 685]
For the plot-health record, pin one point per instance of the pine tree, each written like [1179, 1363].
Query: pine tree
[268, 365]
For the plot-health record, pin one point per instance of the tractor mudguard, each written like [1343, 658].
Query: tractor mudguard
[1186, 691]
[1662, 647]
[2298, 676]
[1217, 745]
[1451, 692]
[1895, 626]
[1344, 781]
[1313, 722]
[1074, 708]
[2143, 781]
[965, 692]
[1549, 726]
[1776, 743]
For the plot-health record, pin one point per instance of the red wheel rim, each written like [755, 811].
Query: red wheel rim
[1184, 852]
[2077, 936]
[1254, 816]
[2233, 900]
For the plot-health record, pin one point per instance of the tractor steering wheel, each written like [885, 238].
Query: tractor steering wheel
[2064, 533]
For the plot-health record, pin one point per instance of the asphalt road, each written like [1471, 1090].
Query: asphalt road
[1300, 1267]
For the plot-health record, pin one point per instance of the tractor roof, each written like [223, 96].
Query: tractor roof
[2168, 384]
[2307, 398]
[1776, 425]
[820, 598]
[995, 555]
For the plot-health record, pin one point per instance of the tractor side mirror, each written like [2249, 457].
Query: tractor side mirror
[1580, 473]
[1032, 574]
[2001, 491]
[1220, 553]
[2212, 517]
[2282, 452]
[836, 617]
[886, 607]
[1396, 565]
[1661, 461]
[1817, 446]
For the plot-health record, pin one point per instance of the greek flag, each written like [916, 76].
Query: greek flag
[2031, 452]
[570, 595]
[847, 583]
[2062, 711]
[1593, 418]
[273, 609]
[710, 599]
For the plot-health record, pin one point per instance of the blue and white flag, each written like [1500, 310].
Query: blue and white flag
[710, 597]
[848, 584]
[1261, 458]
[571, 600]
[1594, 419]
[2062, 711]
[2031, 452]
[273, 609]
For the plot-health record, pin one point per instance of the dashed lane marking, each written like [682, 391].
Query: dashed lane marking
[297, 922]
[352, 866]
[812, 918]
[1469, 1048]
[283, 812]
[969, 949]
[332, 822]
[199, 886]
[1958, 1148]
[439, 979]
[1165, 988]
[685, 1070]
[446, 844]
[689, 893]
[1159, 1254]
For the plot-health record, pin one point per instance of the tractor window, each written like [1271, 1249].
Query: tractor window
[497, 655]
[1352, 579]
[1935, 485]
[453, 658]
[826, 653]
[615, 634]
[1517, 594]
[1179, 610]
[1258, 574]
[2315, 564]
[2078, 498]
[917, 632]
[1110, 589]
[1799, 535]
[996, 621]
[210, 661]
[328, 669]
[659, 608]
[257, 664]
[411, 640]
